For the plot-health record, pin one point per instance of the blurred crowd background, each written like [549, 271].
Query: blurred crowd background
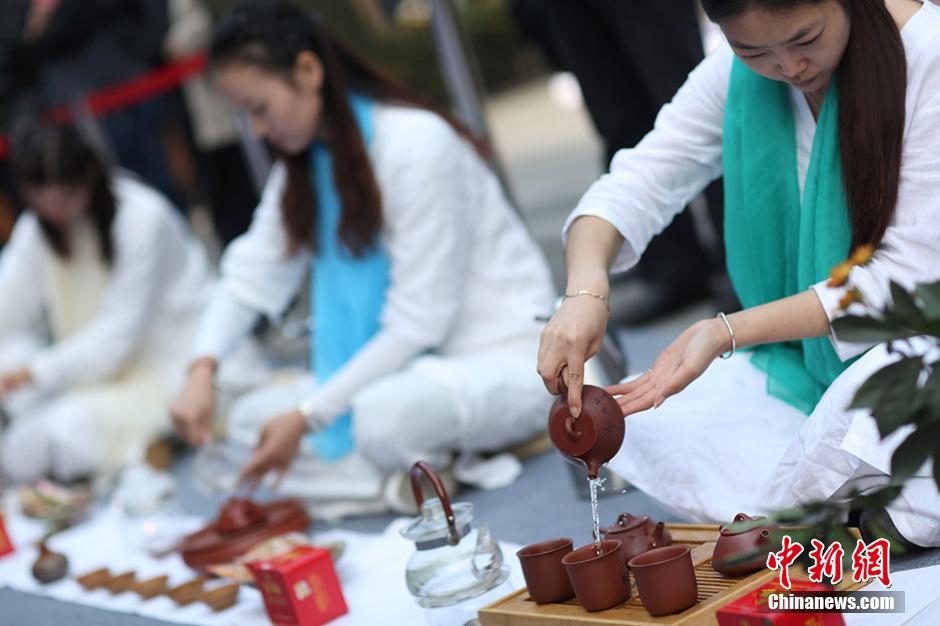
[523, 64]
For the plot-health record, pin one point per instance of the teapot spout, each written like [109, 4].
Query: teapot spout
[594, 469]
[487, 555]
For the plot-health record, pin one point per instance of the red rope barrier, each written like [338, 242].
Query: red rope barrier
[131, 92]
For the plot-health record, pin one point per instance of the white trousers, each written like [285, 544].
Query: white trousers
[408, 416]
[724, 446]
[80, 431]
[104, 426]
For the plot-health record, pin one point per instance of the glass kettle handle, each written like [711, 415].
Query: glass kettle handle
[423, 468]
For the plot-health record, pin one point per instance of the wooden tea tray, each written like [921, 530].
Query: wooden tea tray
[714, 591]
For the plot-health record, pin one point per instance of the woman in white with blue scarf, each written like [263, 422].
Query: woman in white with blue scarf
[425, 284]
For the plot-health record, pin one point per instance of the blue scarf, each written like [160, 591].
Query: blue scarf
[348, 293]
[778, 244]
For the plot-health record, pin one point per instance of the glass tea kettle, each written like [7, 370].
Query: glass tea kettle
[452, 562]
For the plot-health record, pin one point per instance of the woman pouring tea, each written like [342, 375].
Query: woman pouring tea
[105, 265]
[425, 285]
[822, 116]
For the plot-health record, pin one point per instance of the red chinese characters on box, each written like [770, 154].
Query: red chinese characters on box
[6, 546]
[752, 609]
[300, 588]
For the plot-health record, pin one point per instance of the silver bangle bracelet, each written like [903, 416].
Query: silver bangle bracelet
[734, 343]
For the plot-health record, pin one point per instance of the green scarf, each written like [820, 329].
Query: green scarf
[778, 246]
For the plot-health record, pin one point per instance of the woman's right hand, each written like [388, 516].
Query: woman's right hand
[571, 337]
[193, 408]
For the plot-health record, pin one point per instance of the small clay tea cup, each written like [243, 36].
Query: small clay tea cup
[665, 579]
[545, 576]
[600, 581]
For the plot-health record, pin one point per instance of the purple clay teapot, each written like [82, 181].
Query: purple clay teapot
[637, 534]
[751, 544]
[594, 437]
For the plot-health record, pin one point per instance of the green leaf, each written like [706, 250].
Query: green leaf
[931, 396]
[865, 329]
[929, 294]
[891, 393]
[911, 455]
[877, 499]
[903, 309]
[936, 467]
[894, 412]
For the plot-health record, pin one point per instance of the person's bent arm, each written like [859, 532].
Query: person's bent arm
[576, 331]
[259, 276]
[618, 216]
[789, 319]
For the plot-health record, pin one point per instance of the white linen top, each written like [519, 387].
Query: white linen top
[651, 183]
[465, 274]
[155, 290]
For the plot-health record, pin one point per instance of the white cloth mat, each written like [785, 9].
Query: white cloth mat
[371, 571]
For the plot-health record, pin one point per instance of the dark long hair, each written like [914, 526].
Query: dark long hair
[45, 154]
[269, 34]
[872, 89]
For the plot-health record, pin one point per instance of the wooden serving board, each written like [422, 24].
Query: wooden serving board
[714, 591]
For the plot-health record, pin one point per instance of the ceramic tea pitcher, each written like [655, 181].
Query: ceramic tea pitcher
[452, 562]
[637, 534]
[592, 438]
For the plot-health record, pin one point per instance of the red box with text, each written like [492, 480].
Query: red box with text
[300, 588]
[6, 546]
[751, 609]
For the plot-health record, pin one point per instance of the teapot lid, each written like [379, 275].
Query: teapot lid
[744, 523]
[431, 529]
[627, 522]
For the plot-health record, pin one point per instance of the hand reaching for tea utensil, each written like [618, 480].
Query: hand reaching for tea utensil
[793, 318]
[680, 364]
[576, 331]
[572, 336]
[277, 447]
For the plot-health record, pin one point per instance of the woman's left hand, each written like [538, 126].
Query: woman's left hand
[276, 448]
[11, 381]
[681, 363]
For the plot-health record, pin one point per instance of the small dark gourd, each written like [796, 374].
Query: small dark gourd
[50, 566]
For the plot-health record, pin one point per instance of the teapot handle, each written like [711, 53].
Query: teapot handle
[416, 470]
[569, 421]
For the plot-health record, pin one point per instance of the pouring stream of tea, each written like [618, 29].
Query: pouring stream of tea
[594, 484]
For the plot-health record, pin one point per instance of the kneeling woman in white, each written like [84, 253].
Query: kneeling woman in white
[121, 282]
[425, 283]
[822, 116]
